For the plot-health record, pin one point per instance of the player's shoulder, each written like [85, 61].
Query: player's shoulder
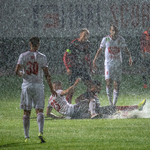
[41, 54]
[106, 37]
[25, 53]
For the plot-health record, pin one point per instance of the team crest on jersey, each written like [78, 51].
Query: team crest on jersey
[108, 39]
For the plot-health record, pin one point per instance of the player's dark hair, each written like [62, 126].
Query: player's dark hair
[34, 41]
[57, 83]
[84, 30]
[114, 26]
[96, 82]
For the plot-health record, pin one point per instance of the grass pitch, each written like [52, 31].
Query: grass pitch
[110, 134]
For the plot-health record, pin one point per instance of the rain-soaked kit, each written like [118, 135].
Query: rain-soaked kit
[58, 22]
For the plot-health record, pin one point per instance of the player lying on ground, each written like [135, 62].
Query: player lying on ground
[94, 106]
[61, 105]
[107, 110]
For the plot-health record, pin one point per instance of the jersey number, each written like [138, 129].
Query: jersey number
[54, 104]
[32, 68]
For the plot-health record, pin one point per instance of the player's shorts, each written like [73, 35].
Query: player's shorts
[81, 110]
[79, 73]
[32, 96]
[113, 71]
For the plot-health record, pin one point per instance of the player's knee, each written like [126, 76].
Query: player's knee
[27, 112]
[39, 111]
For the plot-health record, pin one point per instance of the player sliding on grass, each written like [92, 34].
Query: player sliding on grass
[113, 44]
[105, 110]
[77, 61]
[61, 105]
[87, 102]
[33, 64]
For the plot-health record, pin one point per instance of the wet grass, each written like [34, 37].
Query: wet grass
[114, 134]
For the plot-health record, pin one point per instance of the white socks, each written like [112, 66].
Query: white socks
[115, 96]
[109, 95]
[40, 121]
[26, 125]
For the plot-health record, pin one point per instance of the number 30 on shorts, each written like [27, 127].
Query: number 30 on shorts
[32, 68]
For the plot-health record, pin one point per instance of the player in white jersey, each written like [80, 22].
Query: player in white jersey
[113, 44]
[30, 67]
[61, 105]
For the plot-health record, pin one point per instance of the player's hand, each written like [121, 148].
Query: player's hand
[130, 61]
[54, 93]
[69, 72]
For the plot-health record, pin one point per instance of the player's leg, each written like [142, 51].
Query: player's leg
[107, 110]
[26, 105]
[109, 90]
[116, 92]
[109, 81]
[72, 78]
[81, 110]
[132, 107]
[116, 76]
[92, 107]
[26, 123]
[38, 101]
[86, 78]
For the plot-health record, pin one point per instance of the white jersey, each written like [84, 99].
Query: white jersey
[32, 64]
[113, 49]
[60, 104]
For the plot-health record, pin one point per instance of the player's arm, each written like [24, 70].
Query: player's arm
[48, 78]
[65, 92]
[80, 98]
[129, 55]
[99, 51]
[66, 61]
[17, 70]
[50, 114]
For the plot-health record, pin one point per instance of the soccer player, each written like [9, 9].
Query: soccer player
[113, 44]
[30, 67]
[77, 61]
[145, 51]
[61, 105]
[105, 110]
[82, 108]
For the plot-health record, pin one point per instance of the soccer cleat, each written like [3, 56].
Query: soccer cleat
[26, 140]
[40, 135]
[96, 116]
[145, 86]
[140, 105]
